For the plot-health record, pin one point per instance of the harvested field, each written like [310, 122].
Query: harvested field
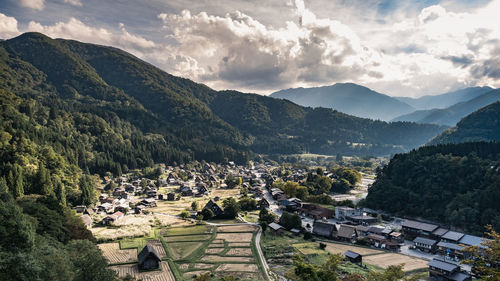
[240, 275]
[183, 249]
[239, 252]
[235, 237]
[187, 238]
[196, 229]
[236, 228]
[238, 267]
[183, 266]
[158, 247]
[385, 260]
[226, 259]
[214, 250]
[113, 253]
[216, 245]
[239, 244]
[203, 265]
[218, 241]
[198, 272]
[335, 248]
[164, 275]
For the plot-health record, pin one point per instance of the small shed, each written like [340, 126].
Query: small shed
[148, 258]
[353, 257]
[275, 228]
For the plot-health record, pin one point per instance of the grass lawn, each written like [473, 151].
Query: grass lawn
[252, 216]
[181, 250]
[309, 248]
[190, 230]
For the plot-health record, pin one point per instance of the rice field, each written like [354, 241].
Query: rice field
[162, 275]
[114, 254]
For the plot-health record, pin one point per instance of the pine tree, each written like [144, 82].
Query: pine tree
[60, 191]
[4, 188]
[44, 184]
[18, 182]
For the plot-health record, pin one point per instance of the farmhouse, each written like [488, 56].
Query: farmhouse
[342, 213]
[380, 241]
[315, 211]
[275, 228]
[412, 229]
[171, 196]
[452, 237]
[325, 229]
[450, 249]
[424, 244]
[112, 218]
[211, 205]
[347, 233]
[353, 257]
[264, 204]
[149, 258]
[442, 270]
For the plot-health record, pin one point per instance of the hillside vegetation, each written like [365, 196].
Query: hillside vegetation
[454, 184]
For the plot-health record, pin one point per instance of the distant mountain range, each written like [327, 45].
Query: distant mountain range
[445, 100]
[348, 98]
[451, 115]
[482, 125]
[104, 109]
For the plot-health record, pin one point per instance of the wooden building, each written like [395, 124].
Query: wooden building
[148, 258]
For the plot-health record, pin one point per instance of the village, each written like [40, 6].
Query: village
[175, 225]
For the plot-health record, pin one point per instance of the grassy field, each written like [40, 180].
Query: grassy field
[182, 250]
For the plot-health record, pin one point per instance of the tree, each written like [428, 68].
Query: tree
[266, 217]
[16, 231]
[3, 185]
[207, 214]
[289, 220]
[485, 261]
[202, 277]
[18, 181]
[90, 264]
[87, 186]
[194, 206]
[184, 214]
[247, 204]
[391, 273]
[60, 191]
[44, 184]
[231, 207]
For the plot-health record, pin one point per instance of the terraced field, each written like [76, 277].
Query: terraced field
[114, 254]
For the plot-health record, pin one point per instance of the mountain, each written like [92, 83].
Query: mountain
[451, 115]
[348, 98]
[454, 184]
[445, 100]
[100, 109]
[482, 125]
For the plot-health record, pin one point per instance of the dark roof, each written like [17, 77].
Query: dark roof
[323, 228]
[375, 229]
[346, 231]
[443, 265]
[147, 251]
[362, 228]
[420, 225]
[459, 276]
[440, 231]
[351, 254]
[214, 207]
[452, 246]
[471, 240]
[425, 241]
[275, 226]
[452, 235]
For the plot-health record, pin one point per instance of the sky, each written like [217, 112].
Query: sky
[396, 47]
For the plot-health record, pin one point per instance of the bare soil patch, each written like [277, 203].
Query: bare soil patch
[236, 228]
[335, 248]
[214, 250]
[114, 254]
[239, 244]
[203, 265]
[235, 237]
[238, 267]
[198, 272]
[226, 259]
[385, 260]
[164, 275]
[239, 252]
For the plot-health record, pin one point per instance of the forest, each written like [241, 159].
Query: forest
[453, 184]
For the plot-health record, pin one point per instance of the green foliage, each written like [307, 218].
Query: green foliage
[231, 208]
[89, 194]
[194, 206]
[207, 214]
[247, 204]
[17, 233]
[289, 221]
[485, 261]
[292, 189]
[455, 184]
[184, 214]
[266, 217]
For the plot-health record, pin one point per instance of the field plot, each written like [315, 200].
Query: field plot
[158, 247]
[215, 258]
[114, 254]
[239, 252]
[235, 237]
[237, 228]
[181, 250]
[198, 272]
[239, 244]
[164, 275]
[196, 229]
[187, 238]
[335, 248]
[387, 259]
[214, 250]
[203, 265]
[238, 267]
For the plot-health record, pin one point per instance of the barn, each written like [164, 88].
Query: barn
[149, 258]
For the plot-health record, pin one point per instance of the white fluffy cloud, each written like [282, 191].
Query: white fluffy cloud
[33, 4]
[8, 26]
[74, 2]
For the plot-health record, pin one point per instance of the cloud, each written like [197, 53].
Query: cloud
[33, 4]
[8, 26]
[74, 2]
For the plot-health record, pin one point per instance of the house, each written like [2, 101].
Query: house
[412, 229]
[292, 204]
[112, 218]
[106, 207]
[295, 231]
[438, 233]
[452, 237]
[446, 271]
[396, 237]
[353, 257]
[211, 205]
[151, 193]
[171, 196]
[380, 241]
[341, 213]
[451, 250]
[264, 204]
[328, 230]
[139, 209]
[362, 230]
[87, 220]
[148, 258]
[187, 191]
[149, 202]
[80, 208]
[364, 220]
[425, 244]
[275, 228]
[347, 233]
[88, 211]
[124, 208]
[316, 212]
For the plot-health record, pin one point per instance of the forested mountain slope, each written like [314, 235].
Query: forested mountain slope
[455, 184]
[482, 125]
